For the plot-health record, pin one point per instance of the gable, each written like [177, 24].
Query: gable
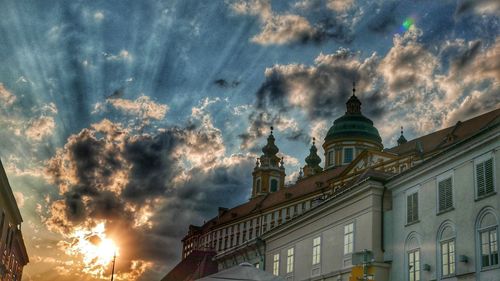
[367, 159]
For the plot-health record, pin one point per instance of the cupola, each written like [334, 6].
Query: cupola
[312, 161]
[350, 135]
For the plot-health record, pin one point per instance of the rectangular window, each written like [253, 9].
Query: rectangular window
[348, 238]
[289, 260]
[331, 158]
[316, 250]
[276, 264]
[484, 178]
[348, 155]
[445, 194]
[414, 265]
[489, 248]
[448, 258]
[412, 207]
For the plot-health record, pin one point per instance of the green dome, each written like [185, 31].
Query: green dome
[353, 126]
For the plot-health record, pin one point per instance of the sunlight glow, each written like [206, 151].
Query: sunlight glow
[96, 249]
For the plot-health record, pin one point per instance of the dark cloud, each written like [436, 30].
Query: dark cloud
[385, 19]
[328, 28]
[226, 84]
[319, 90]
[118, 93]
[467, 56]
[111, 174]
[481, 6]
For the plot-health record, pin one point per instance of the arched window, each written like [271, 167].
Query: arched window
[446, 249]
[413, 258]
[258, 186]
[487, 238]
[274, 185]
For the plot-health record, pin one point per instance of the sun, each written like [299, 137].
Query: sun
[97, 250]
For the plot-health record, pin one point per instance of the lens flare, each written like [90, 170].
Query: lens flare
[407, 24]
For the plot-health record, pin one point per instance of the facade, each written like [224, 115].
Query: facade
[357, 205]
[446, 213]
[13, 251]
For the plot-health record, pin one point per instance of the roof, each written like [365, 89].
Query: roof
[261, 203]
[349, 126]
[443, 138]
[244, 271]
[197, 265]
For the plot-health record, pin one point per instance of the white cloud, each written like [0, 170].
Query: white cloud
[6, 97]
[339, 5]
[41, 127]
[143, 107]
[123, 55]
[98, 16]
[276, 28]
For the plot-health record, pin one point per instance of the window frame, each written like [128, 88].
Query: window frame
[258, 185]
[344, 154]
[450, 257]
[482, 160]
[352, 238]
[271, 180]
[290, 260]
[316, 255]
[411, 192]
[419, 269]
[331, 157]
[489, 230]
[439, 179]
[276, 264]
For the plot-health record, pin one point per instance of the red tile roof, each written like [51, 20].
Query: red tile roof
[197, 265]
[443, 138]
[261, 203]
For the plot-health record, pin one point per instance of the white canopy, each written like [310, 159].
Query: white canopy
[242, 272]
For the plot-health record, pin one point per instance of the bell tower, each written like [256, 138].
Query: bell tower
[269, 172]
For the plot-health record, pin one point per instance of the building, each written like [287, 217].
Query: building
[362, 205]
[446, 211]
[13, 251]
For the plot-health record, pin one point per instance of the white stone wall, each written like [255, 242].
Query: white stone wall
[460, 163]
[362, 209]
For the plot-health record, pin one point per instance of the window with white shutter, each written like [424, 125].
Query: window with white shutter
[445, 194]
[485, 182]
[412, 208]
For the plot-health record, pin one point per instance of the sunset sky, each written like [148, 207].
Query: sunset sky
[122, 122]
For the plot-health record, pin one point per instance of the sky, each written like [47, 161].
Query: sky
[122, 122]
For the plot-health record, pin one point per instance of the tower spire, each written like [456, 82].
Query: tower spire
[312, 161]
[354, 88]
[402, 138]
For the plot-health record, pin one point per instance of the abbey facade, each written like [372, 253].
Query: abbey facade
[426, 209]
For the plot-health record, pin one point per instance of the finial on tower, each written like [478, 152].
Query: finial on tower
[314, 140]
[272, 130]
[353, 88]
[402, 138]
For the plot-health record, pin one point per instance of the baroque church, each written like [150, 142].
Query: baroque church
[425, 209]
